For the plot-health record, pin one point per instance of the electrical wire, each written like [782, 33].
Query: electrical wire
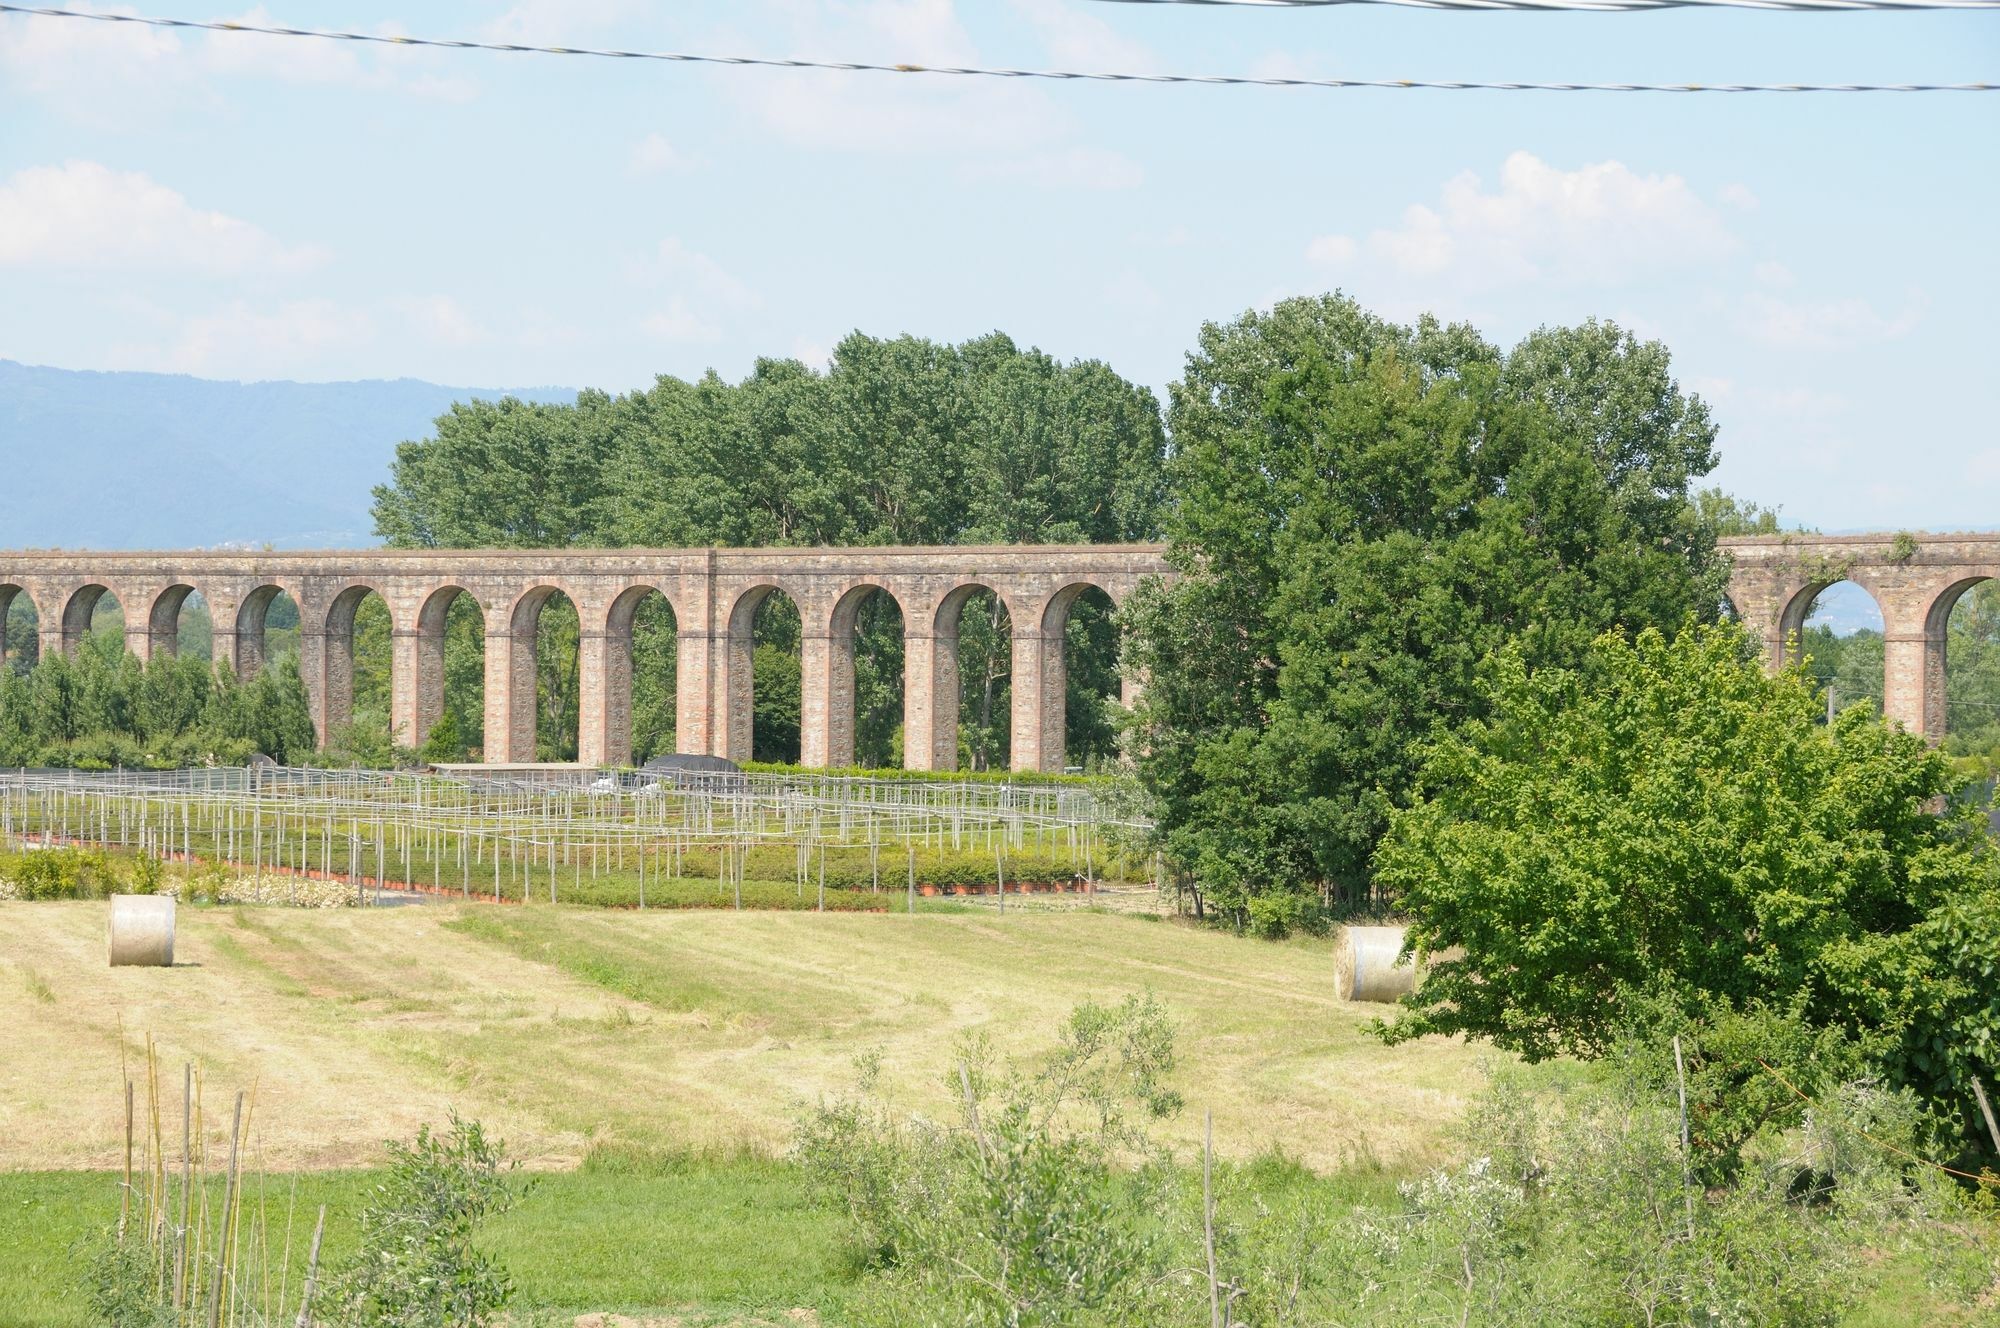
[972, 71]
[1596, 6]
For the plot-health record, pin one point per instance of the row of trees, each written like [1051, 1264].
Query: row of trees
[898, 441]
[102, 708]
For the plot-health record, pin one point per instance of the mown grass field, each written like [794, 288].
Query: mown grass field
[564, 1029]
[646, 1068]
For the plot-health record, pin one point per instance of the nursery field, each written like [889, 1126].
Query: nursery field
[569, 835]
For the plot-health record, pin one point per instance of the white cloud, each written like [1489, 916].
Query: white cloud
[85, 215]
[1076, 40]
[891, 113]
[1740, 197]
[51, 55]
[112, 72]
[1601, 224]
[653, 154]
[678, 322]
[674, 264]
[1824, 324]
[372, 66]
[441, 320]
[698, 287]
[1772, 274]
[1331, 250]
[1063, 168]
[557, 22]
[1131, 290]
[240, 340]
[1288, 64]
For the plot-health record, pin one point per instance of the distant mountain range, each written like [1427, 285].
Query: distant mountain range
[164, 461]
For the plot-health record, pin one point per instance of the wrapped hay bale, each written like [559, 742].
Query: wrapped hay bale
[142, 931]
[1366, 965]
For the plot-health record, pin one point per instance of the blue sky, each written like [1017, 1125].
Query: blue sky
[1823, 267]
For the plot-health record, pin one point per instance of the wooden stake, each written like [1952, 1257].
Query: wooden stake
[125, 1194]
[312, 1273]
[1986, 1110]
[1208, 1216]
[1687, 1143]
[222, 1245]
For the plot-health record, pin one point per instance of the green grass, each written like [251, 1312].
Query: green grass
[724, 1235]
[715, 1239]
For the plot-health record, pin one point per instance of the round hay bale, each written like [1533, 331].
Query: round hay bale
[142, 931]
[1366, 967]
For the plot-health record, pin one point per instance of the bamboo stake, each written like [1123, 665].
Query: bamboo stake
[312, 1273]
[125, 1191]
[1687, 1148]
[224, 1243]
[1986, 1110]
[1208, 1216]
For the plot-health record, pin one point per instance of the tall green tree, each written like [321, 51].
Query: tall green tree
[1363, 513]
[899, 441]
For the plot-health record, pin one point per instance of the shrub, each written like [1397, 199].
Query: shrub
[416, 1266]
[63, 873]
[1021, 1214]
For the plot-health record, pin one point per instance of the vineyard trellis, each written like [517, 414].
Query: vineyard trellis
[582, 836]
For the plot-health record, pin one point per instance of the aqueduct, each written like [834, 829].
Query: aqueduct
[1915, 579]
[713, 593]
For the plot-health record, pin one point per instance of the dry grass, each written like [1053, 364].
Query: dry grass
[565, 1028]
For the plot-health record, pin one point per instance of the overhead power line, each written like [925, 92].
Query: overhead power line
[1597, 6]
[973, 71]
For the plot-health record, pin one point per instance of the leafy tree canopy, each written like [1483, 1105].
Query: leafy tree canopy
[1666, 821]
[1363, 513]
[899, 441]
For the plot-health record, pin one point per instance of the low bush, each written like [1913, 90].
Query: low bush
[61, 873]
[1575, 1202]
[417, 1266]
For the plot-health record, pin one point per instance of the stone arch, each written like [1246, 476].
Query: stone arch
[338, 664]
[640, 667]
[991, 744]
[525, 664]
[1051, 700]
[252, 649]
[79, 611]
[1936, 662]
[163, 619]
[739, 660]
[1796, 631]
[20, 641]
[844, 720]
[430, 683]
